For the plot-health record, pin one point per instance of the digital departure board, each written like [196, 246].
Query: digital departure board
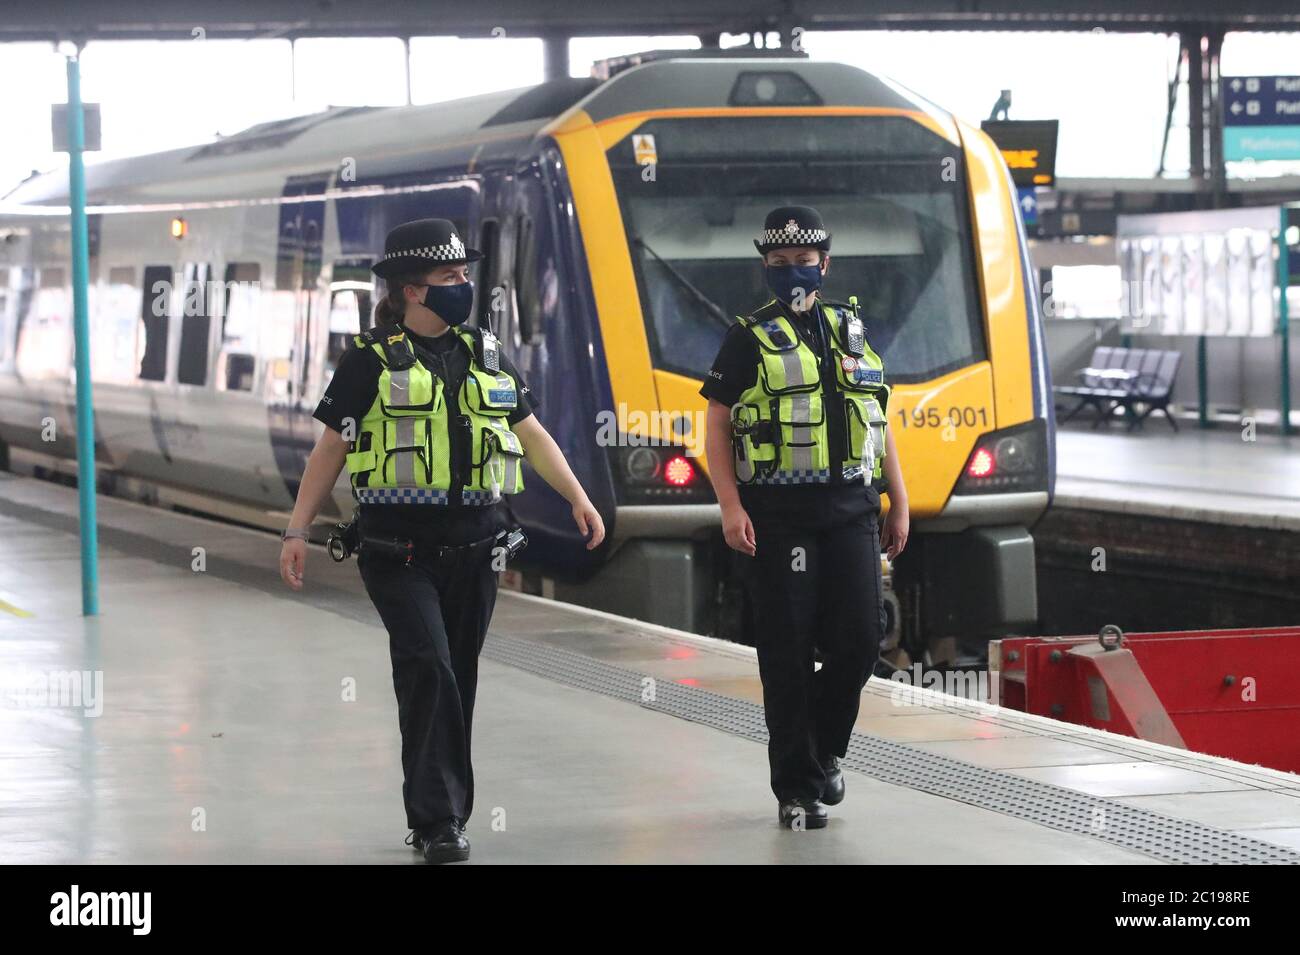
[1028, 146]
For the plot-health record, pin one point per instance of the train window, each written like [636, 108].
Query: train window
[529, 304]
[196, 325]
[155, 314]
[487, 274]
[902, 237]
[351, 292]
[237, 350]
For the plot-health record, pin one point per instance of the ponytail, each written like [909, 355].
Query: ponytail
[390, 308]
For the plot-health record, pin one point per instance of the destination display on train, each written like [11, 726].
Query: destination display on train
[1028, 146]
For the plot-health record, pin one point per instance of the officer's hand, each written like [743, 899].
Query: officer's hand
[893, 536]
[293, 561]
[738, 531]
[587, 518]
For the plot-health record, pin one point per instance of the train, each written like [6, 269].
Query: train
[616, 214]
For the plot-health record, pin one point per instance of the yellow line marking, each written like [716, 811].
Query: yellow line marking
[16, 611]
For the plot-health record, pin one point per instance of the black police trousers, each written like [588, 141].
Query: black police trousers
[437, 611]
[812, 586]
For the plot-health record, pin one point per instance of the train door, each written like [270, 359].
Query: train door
[297, 276]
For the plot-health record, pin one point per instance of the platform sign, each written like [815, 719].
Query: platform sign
[59, 126]
[1028, 146]
[1028, 200]
[1261, 117]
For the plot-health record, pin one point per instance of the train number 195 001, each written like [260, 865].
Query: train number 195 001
[955, 416]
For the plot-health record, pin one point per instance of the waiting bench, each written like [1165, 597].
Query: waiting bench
[1140, 380]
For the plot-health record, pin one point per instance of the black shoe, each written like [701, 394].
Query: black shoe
[803, 814]
[415, 840]
[446, 842]
[833, 794]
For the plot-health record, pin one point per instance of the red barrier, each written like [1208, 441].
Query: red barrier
[1233, 693]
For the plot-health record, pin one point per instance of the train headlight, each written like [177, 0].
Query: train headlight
[1010, 454]
[642, 464]
[1007, 461]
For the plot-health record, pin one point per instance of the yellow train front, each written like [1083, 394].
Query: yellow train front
[672, 165]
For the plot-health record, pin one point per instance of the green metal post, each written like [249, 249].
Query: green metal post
[81, 325]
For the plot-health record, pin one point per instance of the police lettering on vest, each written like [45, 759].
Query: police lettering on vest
[402, 452]
[780, 423]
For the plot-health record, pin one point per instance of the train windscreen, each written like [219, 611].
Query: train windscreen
[694, 194]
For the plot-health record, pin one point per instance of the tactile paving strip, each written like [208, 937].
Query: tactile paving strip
[1140, 830]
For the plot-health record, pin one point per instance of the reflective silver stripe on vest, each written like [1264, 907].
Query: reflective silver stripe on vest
[744, 465]
[399, 387]
[404, 466]
[512, 469]
[801, 459]
[793, 367]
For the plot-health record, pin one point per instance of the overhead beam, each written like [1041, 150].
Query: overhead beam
[249, 19]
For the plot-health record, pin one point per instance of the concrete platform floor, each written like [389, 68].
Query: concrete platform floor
[1214, 475]
[243, 723]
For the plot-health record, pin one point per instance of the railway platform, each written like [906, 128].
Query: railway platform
[227, 719]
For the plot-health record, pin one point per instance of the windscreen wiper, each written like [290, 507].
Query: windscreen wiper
[714, 310]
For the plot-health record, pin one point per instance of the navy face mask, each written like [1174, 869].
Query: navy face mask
[452, 303]
[784, 280]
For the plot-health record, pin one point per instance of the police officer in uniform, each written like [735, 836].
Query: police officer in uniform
[799, 450]
[433, 423]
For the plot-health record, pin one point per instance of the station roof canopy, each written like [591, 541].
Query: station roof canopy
[85, 20]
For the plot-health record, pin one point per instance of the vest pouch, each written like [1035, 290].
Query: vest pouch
[754, 442]
[362, 460]
[493, 395]
[801, 418]
[865, 428]
[501, 460]
[407, 452]
[411, 391]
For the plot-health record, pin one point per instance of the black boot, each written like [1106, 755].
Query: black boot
[833, 794]
[803, 814]
[415, 839]
[446, 842]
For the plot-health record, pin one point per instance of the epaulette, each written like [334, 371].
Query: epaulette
[392, 339]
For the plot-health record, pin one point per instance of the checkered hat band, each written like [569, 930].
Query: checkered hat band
[798, 237]
[440, 253]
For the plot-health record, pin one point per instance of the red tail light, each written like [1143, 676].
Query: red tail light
[981, 464]
[679, 471]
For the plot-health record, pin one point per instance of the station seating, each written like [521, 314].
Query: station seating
[1147, 388]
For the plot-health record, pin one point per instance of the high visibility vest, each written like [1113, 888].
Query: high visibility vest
[402, 451]
[780, 424]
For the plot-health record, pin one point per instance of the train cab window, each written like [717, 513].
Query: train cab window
[155, 315]
[237, 349]
[351, 293]
[528, 311]
[903, 242]
[196, 325]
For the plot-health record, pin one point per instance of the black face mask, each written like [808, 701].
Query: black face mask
[451, 303]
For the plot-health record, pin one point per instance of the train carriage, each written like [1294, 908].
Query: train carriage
[616, 215]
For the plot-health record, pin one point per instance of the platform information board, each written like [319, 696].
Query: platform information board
[1261, 118]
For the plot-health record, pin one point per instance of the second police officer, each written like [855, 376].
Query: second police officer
[433, 423]
[798, 448]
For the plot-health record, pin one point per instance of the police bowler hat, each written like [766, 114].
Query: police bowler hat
[421, 245]
[786, 226]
